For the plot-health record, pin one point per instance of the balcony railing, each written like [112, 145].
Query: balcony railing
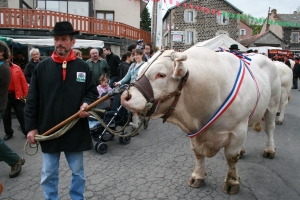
[46, 19]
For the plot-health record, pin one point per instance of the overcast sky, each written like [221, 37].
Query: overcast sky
[257, 8]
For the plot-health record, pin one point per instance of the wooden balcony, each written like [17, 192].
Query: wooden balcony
[46, 19]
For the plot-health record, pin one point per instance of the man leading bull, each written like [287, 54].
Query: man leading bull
[61, 86]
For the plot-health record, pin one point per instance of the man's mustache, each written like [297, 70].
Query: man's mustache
[60, 47]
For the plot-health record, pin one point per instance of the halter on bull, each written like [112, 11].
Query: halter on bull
[204, 79]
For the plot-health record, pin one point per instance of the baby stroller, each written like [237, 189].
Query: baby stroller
[113, 114]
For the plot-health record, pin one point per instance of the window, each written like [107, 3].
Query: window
[189, 15]
[189, 37]
[242, 32]
[295, 37]
[105, 15]
[221, 19]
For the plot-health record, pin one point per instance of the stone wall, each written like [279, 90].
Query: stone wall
[3, 3]
[206, 25]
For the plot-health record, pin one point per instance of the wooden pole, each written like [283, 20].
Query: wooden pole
[76, 115]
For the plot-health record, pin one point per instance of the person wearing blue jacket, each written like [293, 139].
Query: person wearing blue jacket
[132, 75]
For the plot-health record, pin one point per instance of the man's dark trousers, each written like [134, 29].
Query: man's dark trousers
[18, 107]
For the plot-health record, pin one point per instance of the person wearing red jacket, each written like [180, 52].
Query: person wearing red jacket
[17, 92]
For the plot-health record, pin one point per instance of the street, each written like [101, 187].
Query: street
[159, 161]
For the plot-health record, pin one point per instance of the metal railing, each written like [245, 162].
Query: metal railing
[46, 19]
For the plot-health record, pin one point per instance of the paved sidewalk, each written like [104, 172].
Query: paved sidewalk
[158, 162]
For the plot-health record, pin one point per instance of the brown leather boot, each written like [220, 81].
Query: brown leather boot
[16, 169]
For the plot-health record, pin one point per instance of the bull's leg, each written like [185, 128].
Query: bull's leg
[242, 151]
[198, 176]
[269, 129]
[231, 184]
[282, 105]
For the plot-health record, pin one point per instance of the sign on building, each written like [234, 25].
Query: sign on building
[177, 38]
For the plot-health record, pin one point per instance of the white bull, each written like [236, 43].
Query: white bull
[286, 77]
[211, 78]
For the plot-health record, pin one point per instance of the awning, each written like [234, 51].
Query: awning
[7, 40]
[50, 42]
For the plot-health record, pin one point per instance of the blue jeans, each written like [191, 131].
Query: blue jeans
[49, 180]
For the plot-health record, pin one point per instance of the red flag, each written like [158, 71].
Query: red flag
[207, 10]
[184, 5]
[197, 7]
[213, 11]
[177, 4]
[219, 12]
[165, 1]
[191, 6]
[171, 1]
[202, 9]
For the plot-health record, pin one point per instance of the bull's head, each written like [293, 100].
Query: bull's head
[159, 81]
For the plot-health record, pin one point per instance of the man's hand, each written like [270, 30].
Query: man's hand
[82, 112]
[30, 136]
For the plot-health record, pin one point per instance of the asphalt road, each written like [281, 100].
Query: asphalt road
[158, 162]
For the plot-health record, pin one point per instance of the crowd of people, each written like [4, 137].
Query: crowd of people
[27, 86]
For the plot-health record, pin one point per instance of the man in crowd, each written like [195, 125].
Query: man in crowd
[20, 60]
[6, 154]
[113, 63]
[287, 61]
[97, 65]
[234, 47]
[296, 73]
[147, 49]
[61, 86]
[35, 59]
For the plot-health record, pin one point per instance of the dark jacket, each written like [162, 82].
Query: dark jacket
[296, 70]
[123, 69]
[288, 63]
[51, 100]
[4, 83]
[113, 63]
[29, 70]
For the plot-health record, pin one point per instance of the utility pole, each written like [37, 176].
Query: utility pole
[154, 22]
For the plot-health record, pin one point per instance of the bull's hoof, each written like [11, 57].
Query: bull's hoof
[269, 155]
[279, 123]
[195, 183]
[230, 189]
[241, 154]
[277, 114]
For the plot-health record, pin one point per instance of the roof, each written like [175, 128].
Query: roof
[188, 0]
[221, 40]
[247, 41]
[289, 17]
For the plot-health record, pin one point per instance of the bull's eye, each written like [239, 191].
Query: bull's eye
[160, 75]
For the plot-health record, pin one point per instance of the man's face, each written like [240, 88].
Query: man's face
[35, 55]
[147, 49]
[106, 52]
[63, 44]
[94, 54]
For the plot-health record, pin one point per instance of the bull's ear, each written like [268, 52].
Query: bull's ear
[179, 68]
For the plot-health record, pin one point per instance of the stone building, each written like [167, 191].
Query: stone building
[267, 38]
[187, 25]
[288, 32]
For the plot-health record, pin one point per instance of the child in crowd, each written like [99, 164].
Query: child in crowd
[103, 86]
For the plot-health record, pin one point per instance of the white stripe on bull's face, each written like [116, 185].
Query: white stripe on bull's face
[164, 76]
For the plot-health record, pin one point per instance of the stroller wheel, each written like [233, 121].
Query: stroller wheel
[102, 148]
[124, 140]
[107, 136]
[96, 145]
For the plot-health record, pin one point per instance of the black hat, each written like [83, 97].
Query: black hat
[250, 51]
[297, 58]
[234, 46]
[63, 28]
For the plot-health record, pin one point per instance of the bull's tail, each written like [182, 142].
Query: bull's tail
[257, 126]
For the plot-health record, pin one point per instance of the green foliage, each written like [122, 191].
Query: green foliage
[145, 22]
[255, 23]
